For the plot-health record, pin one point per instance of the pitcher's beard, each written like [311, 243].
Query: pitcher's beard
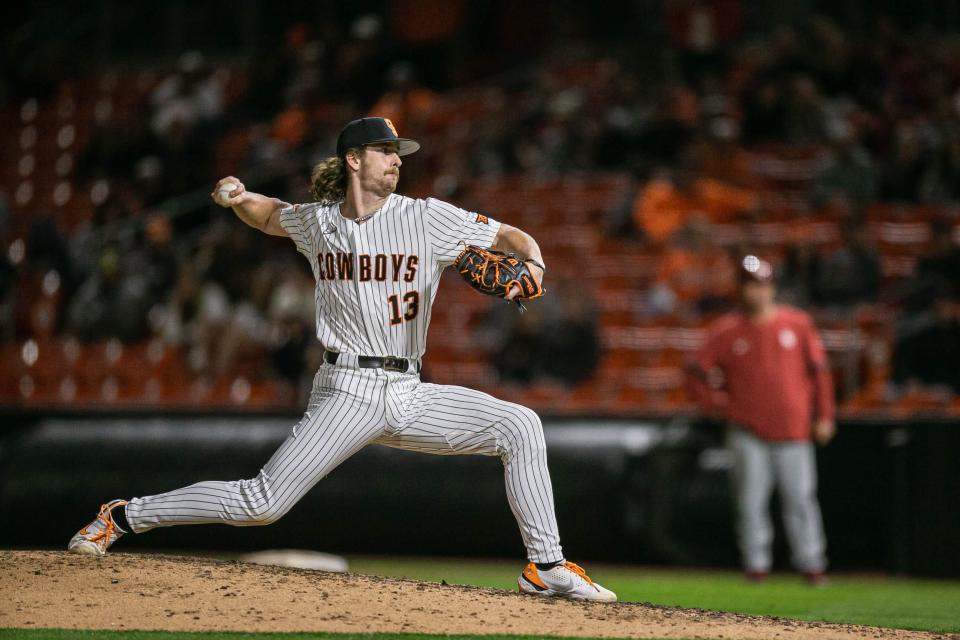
[388, 186]
[382, 187]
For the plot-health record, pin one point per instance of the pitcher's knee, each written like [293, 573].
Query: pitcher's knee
[528, 430]
[260, 504]
[264, 517]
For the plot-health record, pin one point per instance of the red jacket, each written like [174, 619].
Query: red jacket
[775, 376]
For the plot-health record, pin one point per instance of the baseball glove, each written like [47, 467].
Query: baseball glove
[493, 273]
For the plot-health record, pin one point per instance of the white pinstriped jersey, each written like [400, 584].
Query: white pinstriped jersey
[376, 281]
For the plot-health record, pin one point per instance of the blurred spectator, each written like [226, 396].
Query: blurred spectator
[662, 206]
[358, 62]
[556, 342]
[292, 125]
[115, 148]
[249, 331]
[111, 226]
[155, 261]
[939, 268]
[190, 97]
[406, 101]
[571, 346]
[846, 172]
[944, 184]
[46, 246]
[195, 317]
[798, 273]
[721, 156]
[271, 75]
[700, 30]
[697, 274]
[905, 170]
[805, 117]
[519, 357]
[665, 133]
[273, 323]
[263, 148]
[850, 274]
[928, 348]
[764, 113]
[112, 302]
[295, 352]
[229, 254]
[424, 22]
[927, 345]
[45, 279]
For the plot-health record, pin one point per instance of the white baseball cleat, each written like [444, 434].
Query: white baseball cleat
[95, 538]
[566, 580]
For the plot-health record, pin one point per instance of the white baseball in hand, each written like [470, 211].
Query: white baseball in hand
[223, 193]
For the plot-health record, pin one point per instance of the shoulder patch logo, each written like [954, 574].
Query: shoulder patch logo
[392, 128]
[482, 219]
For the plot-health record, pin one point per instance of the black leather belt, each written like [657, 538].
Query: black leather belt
[388, 363]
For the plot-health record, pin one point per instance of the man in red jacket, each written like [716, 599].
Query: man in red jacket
[776, 395]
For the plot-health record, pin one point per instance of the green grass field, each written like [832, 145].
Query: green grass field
[924, 605]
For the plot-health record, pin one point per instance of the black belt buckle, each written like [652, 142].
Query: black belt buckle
[391, 363]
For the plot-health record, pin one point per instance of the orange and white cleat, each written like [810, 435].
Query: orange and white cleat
[566, 580]
[95, 538]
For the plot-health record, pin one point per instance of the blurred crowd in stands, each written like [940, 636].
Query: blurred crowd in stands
[712, 128]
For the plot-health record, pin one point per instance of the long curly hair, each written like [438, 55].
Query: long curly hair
[328, 180]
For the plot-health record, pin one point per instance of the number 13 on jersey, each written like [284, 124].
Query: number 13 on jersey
[405, 308]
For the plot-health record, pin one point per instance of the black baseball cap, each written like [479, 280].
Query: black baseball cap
[364, 131]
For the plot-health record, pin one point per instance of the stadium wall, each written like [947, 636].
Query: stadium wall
[627, 491]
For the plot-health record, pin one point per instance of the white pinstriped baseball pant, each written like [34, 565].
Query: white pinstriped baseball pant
[351, 408]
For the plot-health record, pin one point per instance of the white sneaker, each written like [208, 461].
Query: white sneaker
[95, 538]
[566, 580]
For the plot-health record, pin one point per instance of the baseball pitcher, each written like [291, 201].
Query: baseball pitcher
[377, 258]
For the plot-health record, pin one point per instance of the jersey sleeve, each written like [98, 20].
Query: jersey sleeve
[700, 370]
[818, 367]
[300, 222]
[450, 228]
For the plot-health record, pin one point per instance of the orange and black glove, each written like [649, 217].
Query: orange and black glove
[494, 273]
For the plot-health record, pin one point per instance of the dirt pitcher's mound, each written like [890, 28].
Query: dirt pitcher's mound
[121, 591]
